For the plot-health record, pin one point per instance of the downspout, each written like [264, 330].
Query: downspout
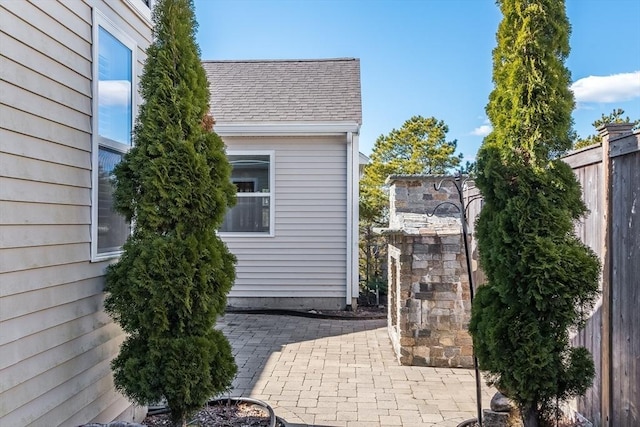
[349, 219]
[355, 217]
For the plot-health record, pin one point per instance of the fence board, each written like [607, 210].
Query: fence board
[589, 173]
[625, 270]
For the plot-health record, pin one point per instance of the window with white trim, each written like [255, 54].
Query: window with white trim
[253, 176]
[113, 113]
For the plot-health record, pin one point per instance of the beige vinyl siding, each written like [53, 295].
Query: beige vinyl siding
[56, 342]
[306, 257]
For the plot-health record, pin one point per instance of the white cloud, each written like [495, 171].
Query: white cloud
[114, 92]
[483, 130]
[607, 89]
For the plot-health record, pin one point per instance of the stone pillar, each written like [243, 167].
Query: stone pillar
[429, 307]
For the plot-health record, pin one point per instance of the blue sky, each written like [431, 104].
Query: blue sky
[428, 57]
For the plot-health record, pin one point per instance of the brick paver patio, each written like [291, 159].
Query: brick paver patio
[317, 372]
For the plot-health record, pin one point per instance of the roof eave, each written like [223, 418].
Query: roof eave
[290, 129]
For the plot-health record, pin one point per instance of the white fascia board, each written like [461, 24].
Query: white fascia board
[294, 128]
[364, 159]
[142, 10]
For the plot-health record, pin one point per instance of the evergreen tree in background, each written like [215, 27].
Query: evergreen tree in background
[418, 147]
[171, 282]
[541, 280]
[616, 116]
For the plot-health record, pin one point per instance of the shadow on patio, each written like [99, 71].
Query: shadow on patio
[263, 342]
[326, 372]
[291, 361]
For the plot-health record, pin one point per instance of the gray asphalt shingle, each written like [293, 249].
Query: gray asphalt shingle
[297, 90]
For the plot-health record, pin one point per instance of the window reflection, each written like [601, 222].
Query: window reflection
[113, 229]
[114, 89]
[252, 212]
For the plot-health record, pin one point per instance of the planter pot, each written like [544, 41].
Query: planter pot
[230, 402]
[273, 420]
[468, 423]
[114, 424]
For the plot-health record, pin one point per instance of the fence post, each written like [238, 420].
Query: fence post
[607, 132]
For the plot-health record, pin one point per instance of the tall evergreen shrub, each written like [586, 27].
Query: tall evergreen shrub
[542, 280]
[171, 282]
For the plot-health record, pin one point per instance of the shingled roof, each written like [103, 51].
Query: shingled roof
[322, 90]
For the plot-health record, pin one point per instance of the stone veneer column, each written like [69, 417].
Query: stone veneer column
[430, 305]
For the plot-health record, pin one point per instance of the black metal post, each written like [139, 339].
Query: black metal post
[471, 291]
[458, 183]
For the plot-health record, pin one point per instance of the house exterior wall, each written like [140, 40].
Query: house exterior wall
[56, 343]
[304, 264]
[309, 111]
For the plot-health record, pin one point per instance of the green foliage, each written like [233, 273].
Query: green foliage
[616, 116]
[418, 147]
[372, 261]
[469, 169]
[586, 142]
[531, 101]
[171, 282]
[542, 280]
[375, 284]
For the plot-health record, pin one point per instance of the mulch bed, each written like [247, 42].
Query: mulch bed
[219, 415]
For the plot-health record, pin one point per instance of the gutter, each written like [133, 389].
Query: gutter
[286, 128]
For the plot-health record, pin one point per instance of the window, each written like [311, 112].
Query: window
[113, 108]
[253, 176]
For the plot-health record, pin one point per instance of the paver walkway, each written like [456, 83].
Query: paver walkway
[320, 372]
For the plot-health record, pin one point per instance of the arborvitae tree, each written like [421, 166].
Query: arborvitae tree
[171, 282]
[542, 281]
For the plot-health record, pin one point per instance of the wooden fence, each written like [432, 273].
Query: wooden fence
[589, 169]
[625, 282]
[610, 177]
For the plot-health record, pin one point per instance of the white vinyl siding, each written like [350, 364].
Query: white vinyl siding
[307, 255]
[56, 342]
